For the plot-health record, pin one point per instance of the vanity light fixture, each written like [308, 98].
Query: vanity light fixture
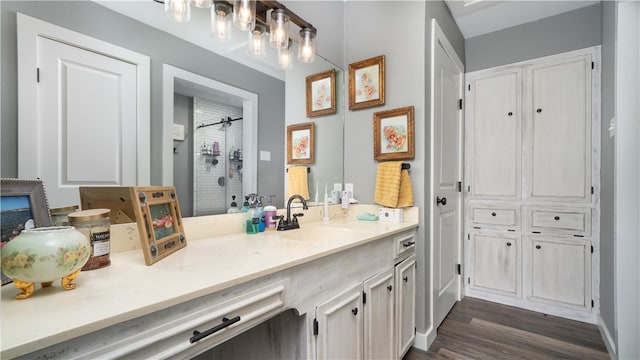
[307, 45]
[202, 4]
[279, 29]
[178, 10]
[284, 57]
[256, 40]
[244, 14]
[221, 20]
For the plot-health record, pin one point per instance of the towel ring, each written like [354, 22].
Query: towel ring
[406, 166]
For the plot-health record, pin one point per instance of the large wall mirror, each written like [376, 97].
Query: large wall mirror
[143, 27]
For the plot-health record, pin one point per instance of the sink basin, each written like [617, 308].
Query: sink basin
[318, 233]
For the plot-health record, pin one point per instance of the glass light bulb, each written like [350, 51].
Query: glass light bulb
[178, 10]
[220, 24]
[203, 4]
[244, 14]
[284, 59]
[307, 47]
[279, 29]
[256, 40]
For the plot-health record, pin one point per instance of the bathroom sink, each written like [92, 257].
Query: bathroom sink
[318, 233]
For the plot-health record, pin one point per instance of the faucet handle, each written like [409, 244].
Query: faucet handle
[295, 217]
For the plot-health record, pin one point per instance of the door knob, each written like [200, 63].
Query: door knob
[442, 201]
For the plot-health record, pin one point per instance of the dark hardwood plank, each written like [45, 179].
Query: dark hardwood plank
[478, 329]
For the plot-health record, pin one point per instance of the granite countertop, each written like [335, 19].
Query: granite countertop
[128, 288]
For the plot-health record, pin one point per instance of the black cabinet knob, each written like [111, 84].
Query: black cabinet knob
[510, 113]
[355, 311]
[538, 247]
[539, 110]
[493, 214]
[556, 218]
[509, 243]
[389, 287]
[406, 278]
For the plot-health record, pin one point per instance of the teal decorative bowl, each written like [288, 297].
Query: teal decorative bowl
[44, 255]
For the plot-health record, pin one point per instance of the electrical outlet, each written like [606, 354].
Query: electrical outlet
[391, 215]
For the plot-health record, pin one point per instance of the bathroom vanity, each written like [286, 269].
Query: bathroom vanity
[342, 288]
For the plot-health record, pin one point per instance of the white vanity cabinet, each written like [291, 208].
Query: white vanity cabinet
[531, 179]
[405, 279]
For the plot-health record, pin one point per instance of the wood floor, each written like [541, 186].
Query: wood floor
[478, 329]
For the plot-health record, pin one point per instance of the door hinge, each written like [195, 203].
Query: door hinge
[468, 280]
[592, 249]
[468, 188]
[37, 74]
[592, 190]
[459, 269]
[364, 297]
[469, 87]
[593, 65]
[468, 236]
[460, 104]
[459, 186]
[315, 326]
[592, 303]
[415, 331]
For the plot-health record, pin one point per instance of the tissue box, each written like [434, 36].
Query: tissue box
[390, 214]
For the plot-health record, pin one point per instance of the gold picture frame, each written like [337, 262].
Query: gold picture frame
[321, 93]
[300, 143]
[366, 83]
[393, 134]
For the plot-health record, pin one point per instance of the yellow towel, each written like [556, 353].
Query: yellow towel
[297, 182]
[393, 185]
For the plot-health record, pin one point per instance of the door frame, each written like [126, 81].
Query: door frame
[29, 29]
[437, 35]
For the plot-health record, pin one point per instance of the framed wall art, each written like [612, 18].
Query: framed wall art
[366, 83]
[321, 93]
[159, 221]
[23, 205]
[300, 143]
[393, 136]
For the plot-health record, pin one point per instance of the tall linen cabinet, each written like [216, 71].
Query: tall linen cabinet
[532, 152]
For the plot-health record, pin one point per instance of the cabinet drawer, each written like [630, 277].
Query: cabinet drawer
[404, 244]
[572, 221]
[495, 216]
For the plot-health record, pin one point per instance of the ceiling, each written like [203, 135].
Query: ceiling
[482, 17]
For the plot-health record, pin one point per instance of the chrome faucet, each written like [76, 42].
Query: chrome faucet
[289, 223]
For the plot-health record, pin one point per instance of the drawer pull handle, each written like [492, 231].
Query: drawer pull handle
[197, 335]
[406, 278]
[538, 247]
[493, 214]
[509, 243]
[389, 287]
[408, 244]
[539, 111]
[354, 311]
[556, 218]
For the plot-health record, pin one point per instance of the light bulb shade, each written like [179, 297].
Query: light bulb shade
[244, 14]
[279, 29]
[256, 40]
[307, 45]
[178, 10]
[203, 4]
[221, 20]
[284, 57]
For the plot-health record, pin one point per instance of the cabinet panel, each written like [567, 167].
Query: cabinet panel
[560, 270]
[494, 147]
[405, 280]
[379, 316]
[568, 221]
[340, 326]
[560, 130]
[495, 216]
[496, 262]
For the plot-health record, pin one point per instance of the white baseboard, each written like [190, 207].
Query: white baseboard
[424, 340]
[606, 336]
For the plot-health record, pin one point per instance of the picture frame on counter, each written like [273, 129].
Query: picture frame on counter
[393, 134]
[300, 143]
[23, 205]
[321, 93]
[366, 83]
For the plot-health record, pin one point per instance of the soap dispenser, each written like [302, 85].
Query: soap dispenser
[234, 206]
[260, 214]
[252, 222]
[245, 204]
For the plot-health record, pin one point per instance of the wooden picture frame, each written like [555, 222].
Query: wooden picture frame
[23, 205]
[366, 83]
[321, 93]
[300, 143]
[393, 134]
[157, 213]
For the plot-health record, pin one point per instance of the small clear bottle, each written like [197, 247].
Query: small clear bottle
[234, 206]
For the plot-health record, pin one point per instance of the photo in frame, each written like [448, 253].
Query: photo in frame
[393, 134]
[321, 93]
[23, 205]
[366, 83]
[300, 143]
[159, 220]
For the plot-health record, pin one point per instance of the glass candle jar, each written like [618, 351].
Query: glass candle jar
[60, 216]
[95, 224]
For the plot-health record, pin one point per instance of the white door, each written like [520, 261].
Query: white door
[87, 109]
[446, 221]
[379, 316]
[340, 326]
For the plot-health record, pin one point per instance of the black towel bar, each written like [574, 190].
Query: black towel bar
[308, 170]
[406, 166]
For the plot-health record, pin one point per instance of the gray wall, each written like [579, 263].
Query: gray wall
[183, 154]
[407, 62]
[607, 194]
[572, 30]
[96, 21]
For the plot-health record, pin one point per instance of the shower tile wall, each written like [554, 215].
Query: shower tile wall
[209, 196]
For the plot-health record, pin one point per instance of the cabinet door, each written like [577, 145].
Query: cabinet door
[379, 315]
[496, 263]
[405, 279]
[494, 146]
[560, 271]
[559, 130]
[340, 326]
